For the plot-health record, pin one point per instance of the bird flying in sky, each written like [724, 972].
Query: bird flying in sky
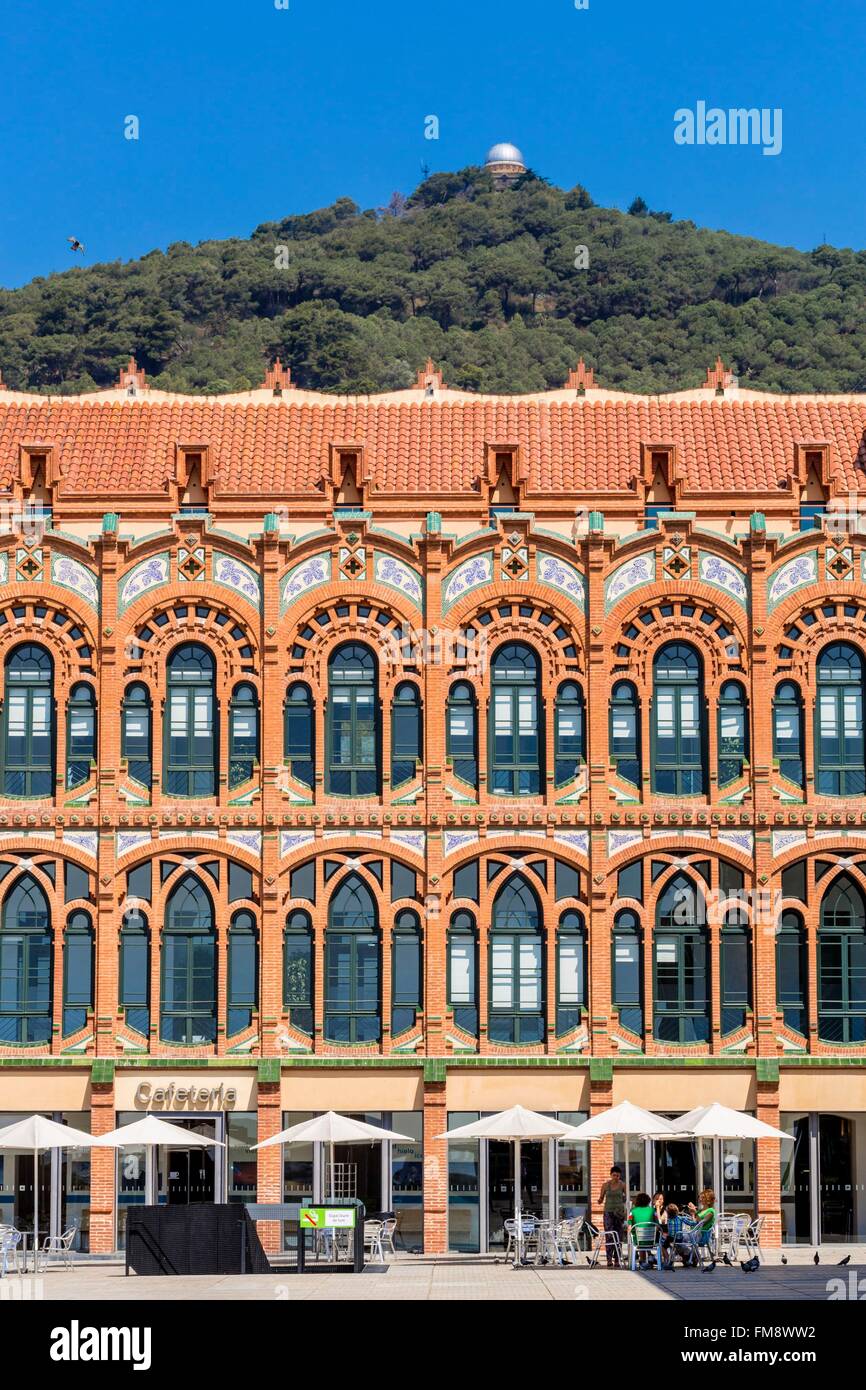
[75, 244]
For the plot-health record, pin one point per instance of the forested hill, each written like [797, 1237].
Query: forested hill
[492, 284]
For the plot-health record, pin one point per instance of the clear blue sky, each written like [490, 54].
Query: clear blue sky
[248, 112]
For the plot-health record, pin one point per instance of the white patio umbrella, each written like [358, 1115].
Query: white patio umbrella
[332, 1129]
[622, 1120]
[37, 1133]
[717, 1121]
[515, 1124]
[150, 1131]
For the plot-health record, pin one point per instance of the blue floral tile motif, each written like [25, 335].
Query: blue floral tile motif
[454, 840]
[632, 575]
[742, 840]
[387, 570]
[560, 575]
[803, 570]
[238, 576]
[413, 840]
[783, 840]
[77, 577]
[303, 577]
[469, 575]
[250, 840]
[148, 575]
[715, 571]
[575, 839]
[290, 840]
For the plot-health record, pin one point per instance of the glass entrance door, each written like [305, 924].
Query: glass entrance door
[676, 1172]
[534, 1184]
[186, 1175]
[797, 1182]
[16, 1191]
[836, 1146]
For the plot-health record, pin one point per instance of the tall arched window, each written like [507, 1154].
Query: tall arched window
[353, 755]
[678, 734]
[842, 964]
[406, 975]
[735, 965]
[28, 723]
[405, 734]
[188, 1006]
[134, 993]
[243, 734]
[352, 971]
[190, 763]
[627, 970]
[569, 732]
[25, 964]
[80, 734]
[135, 736]
[463, 971]
[298, 971]
[462, 733]
[515, 743]
[298, 712]
[625, 732]
[788, 732]
[570, 971]
[681, 1004]
[733, 732]
[840, 769]
[243, 973]
[77, 972]
[516, 966]
[792, 972]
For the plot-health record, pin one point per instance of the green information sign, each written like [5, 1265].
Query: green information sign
[328, 1218]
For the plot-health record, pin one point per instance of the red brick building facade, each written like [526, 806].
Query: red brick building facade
[424, 754]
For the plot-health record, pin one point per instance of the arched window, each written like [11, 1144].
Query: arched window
[134, 995]
[405, 734]
[77, 972]
[625, 732]
[353, 755]
[80, 734]
[681, 1004]
[243, 734]
[627, 971]
[135, 736]
[406, 979]
[352, 974]
[462, 733]
[515, 742]
[190, 763]
[678, 735]
[733, 732]
[298, 971]
[735, 965]
[28, 723]
[792, 972]
[839, 722]
[298, 712]
[25, 964]
[788, 732]
[463, 972]
[243, 973]
[569, 735]
[842, 964]
[570, 971]
[516, 966]
[188, 1006]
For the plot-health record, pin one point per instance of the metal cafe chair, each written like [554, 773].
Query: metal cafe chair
[645, 1239]
[700, 1241]
[60, 1246]
[373, 1231]
[10, 1253]
[609, 1242]
[752, 1237]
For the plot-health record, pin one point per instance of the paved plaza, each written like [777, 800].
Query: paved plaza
[449, 1278]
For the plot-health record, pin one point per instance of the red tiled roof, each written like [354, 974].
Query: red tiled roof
[434, 447]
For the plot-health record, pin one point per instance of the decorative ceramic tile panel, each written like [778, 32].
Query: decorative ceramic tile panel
[304, 577]
[632, 575]
[77, 577]
[743, 840]
[783, 840]
[291, 840]
[149, 574]
[238, 576]
[470, 575]
[722, 575]
[250, 840]
[794, 575]
[559, 574]
[86, 841]
[574, 839]
[413, 840]
[454, 840]
[622, 839]
[397, 575]
[127, 840]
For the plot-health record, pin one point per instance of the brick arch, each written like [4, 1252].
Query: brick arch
[717, 635]
[806, 629]
[58, 626]
[381, 626]
[542, 849]
[51, 849]
[199, 844]
[556, 628]
[674, 844]
[214, 625]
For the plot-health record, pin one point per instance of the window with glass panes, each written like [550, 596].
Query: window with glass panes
[570, 971]
[839, 748]
[733, 732]
[515, 761]
[134, 982]
[678, 741]
[135, 733]
[681, 1005]
[28, 723]
[353, 761]
[516, 1013]
[352, 965]
[190, 723]
[842, 963]
[405, 734]
[462, 733]
[77, 972]
[298, 971]
[405, 971]
[735, 964]
[243, 734]
[792, 972]
[242, 972]
[624, 732]
[80, 734]
[188, 1007]
[627, 970]
[569, 747]
[299, 732]
[25, 964]
[463, 971]
[788, 732]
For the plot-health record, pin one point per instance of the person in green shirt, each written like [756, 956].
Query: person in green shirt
[642, 1222]
[704, 1217]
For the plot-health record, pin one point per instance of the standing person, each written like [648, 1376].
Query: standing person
[612, 1200]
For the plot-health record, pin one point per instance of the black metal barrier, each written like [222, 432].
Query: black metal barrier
[324, 1263]
[208, 1238]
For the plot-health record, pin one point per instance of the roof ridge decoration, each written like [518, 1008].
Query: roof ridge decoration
[719, 378]
[278, 378]
[581, 378]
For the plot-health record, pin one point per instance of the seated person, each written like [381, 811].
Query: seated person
[701, 1220]
[642, 1225]
[674, 1236]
